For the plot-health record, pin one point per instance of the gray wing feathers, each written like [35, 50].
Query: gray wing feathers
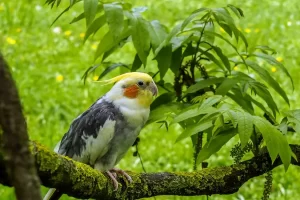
[87, 125]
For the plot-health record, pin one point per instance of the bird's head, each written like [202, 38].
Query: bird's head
[136, 87]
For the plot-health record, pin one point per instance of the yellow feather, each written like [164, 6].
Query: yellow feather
[134, 75]
[145, 99]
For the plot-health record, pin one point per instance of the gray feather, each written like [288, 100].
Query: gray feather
[88, 125]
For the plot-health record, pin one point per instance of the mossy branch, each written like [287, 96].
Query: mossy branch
[81, 181]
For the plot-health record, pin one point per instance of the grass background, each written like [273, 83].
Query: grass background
[48, 61]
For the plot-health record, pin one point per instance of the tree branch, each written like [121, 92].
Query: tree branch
[14, 139]
[81, 181]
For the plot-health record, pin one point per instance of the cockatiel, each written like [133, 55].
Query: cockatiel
[101, 136]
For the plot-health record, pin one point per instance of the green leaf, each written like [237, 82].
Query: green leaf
[161, 111]
[115, 19]
[245, 127]
[157, 33]
[191, 130]
[233, 117]
[222, 16]
[116, 46]
[78, 18]
[141, 37]
[191, 17]
[226, 85]
[210, 101]
[243, 38]
[107, 43]
[225, 20]
[189, 50]
[128, 7]
[264, 74]
[110, 68]
[191, 112]
[179, 41]
[65, 10]
[265, 49]
[162, 99]
[164, 58]
[139, 9]
[275, 141]
[82, 15]
[212, 58]
[238, 97]
[195, 110]
[210, 33]
[176, 61]
[72, 2]
[95, 26]
[270, 59]
[266, 128]
[137, 63]
[204, 83]
[166, 41]
[258, 104]
[285, 152]
[219, 123]
[226, 28]
[262, 91]
[215, 144]
[294, 117]
[198, 28]
[283, 126]
[237, 11]
[210, 116]
[58, 2]
[222, 57]
[90, 10]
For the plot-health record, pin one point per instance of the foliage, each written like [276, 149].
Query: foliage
[195, 52]
[250, 96]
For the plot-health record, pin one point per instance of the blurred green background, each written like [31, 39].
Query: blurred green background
[47, 63]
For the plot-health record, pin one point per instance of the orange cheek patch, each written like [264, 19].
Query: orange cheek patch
[131, 92]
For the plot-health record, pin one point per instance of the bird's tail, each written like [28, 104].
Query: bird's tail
[53, 194]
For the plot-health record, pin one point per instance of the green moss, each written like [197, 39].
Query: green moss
[47, 160]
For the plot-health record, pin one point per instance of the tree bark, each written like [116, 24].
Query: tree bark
[81, 181]
[19, 162]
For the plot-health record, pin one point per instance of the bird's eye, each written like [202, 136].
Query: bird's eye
[140, 83]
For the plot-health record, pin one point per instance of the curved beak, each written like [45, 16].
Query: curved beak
[153, 88]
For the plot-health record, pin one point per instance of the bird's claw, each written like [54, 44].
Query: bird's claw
[123, 173]
[113, 176]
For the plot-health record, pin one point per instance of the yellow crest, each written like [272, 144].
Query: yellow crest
[134, 75]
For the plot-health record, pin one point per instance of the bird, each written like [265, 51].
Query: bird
[101, 136]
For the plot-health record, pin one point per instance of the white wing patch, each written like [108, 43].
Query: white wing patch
[97, 147]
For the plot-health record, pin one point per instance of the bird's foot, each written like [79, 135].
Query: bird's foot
[123, 173]
[113, 176]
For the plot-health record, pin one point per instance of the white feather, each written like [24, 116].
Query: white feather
[97, 147]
